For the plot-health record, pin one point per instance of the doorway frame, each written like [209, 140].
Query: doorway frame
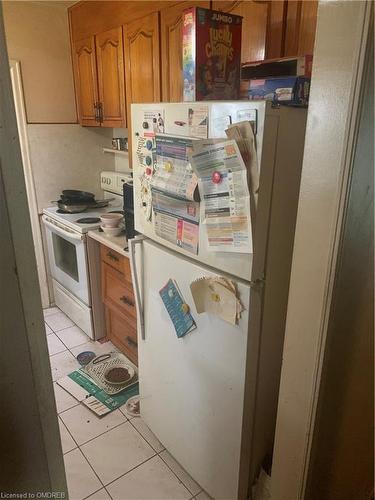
[19, 104]
[331, 134]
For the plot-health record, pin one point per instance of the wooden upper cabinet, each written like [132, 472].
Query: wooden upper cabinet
[300, 27]
[275, 29]
[171, 49]
[142, 60]
[84, 62]
[111, 79]
[254, 26]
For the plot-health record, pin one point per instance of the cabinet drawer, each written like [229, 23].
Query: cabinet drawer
[122, 333]
[117, 293]
[117, 261]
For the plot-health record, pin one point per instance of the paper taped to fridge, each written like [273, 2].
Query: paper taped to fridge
[173, 190]
[173, 173]
[223, 187]
[217, 296]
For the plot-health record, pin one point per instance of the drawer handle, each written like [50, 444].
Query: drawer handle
[131, 342]
[127, 301]
[112, 256]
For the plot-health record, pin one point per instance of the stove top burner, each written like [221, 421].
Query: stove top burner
[88, 220]
[59, 211]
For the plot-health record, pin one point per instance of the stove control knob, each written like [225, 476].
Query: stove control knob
[148, 160]
[145, 125]
[148, 171]
[149, 145]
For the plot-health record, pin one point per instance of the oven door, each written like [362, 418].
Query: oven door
[68, 259]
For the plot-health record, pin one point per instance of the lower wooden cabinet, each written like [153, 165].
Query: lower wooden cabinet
[122, 333]
[117, 293]
[119, 302]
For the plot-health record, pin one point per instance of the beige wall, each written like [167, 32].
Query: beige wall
[37, 35]
[67, 157]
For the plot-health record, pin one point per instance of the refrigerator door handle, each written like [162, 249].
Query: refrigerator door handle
[258, 283]
[138, 299]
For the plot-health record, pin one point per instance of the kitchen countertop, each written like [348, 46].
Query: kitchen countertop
[116, 243]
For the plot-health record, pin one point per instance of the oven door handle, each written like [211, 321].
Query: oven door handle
[62, 232]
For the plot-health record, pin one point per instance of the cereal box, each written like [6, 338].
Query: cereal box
[211, 55]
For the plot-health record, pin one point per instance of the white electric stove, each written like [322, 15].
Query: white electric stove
[67, 251]
[81, 222]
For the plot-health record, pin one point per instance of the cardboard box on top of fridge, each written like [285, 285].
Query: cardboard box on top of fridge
[272, 68]
[290, 90]
[211, 55]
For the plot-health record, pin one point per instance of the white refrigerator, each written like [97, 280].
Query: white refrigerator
[211, 396]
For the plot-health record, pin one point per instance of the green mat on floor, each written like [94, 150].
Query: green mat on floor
[98, 397]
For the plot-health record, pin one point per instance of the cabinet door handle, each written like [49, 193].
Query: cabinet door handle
[112, 256]
[100, 108]
[127, 301]
[96, 107]
[131, 342]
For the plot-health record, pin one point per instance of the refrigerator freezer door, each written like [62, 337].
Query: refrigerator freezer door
[192, 388]
[177, 113]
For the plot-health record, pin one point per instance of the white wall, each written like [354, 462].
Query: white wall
[67, 157]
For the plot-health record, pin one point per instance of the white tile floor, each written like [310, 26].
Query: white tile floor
[114, 457]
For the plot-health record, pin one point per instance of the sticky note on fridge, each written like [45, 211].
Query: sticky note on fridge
[178, 310]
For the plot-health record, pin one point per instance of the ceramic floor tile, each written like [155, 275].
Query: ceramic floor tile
[48, 329]
[58, 321]
[182, 475]
[67, 442]
[99, 495]
[81, 479]
[63, 399]
[116, 452]
[50, 310]
[84, 425]
[96, 347]
[62, 364]
[152, 480]
[149, 436]
[54, 344]
[72, 336]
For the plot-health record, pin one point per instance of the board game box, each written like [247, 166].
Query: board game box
[211, 55]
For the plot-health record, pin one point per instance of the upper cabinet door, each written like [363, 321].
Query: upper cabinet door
[171, 49]
[276, 29]
[300, 27]
[111, 79]
[86, 82]
[254, 26]
[142, 60]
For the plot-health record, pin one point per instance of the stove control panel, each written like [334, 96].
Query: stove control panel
[113, 181]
